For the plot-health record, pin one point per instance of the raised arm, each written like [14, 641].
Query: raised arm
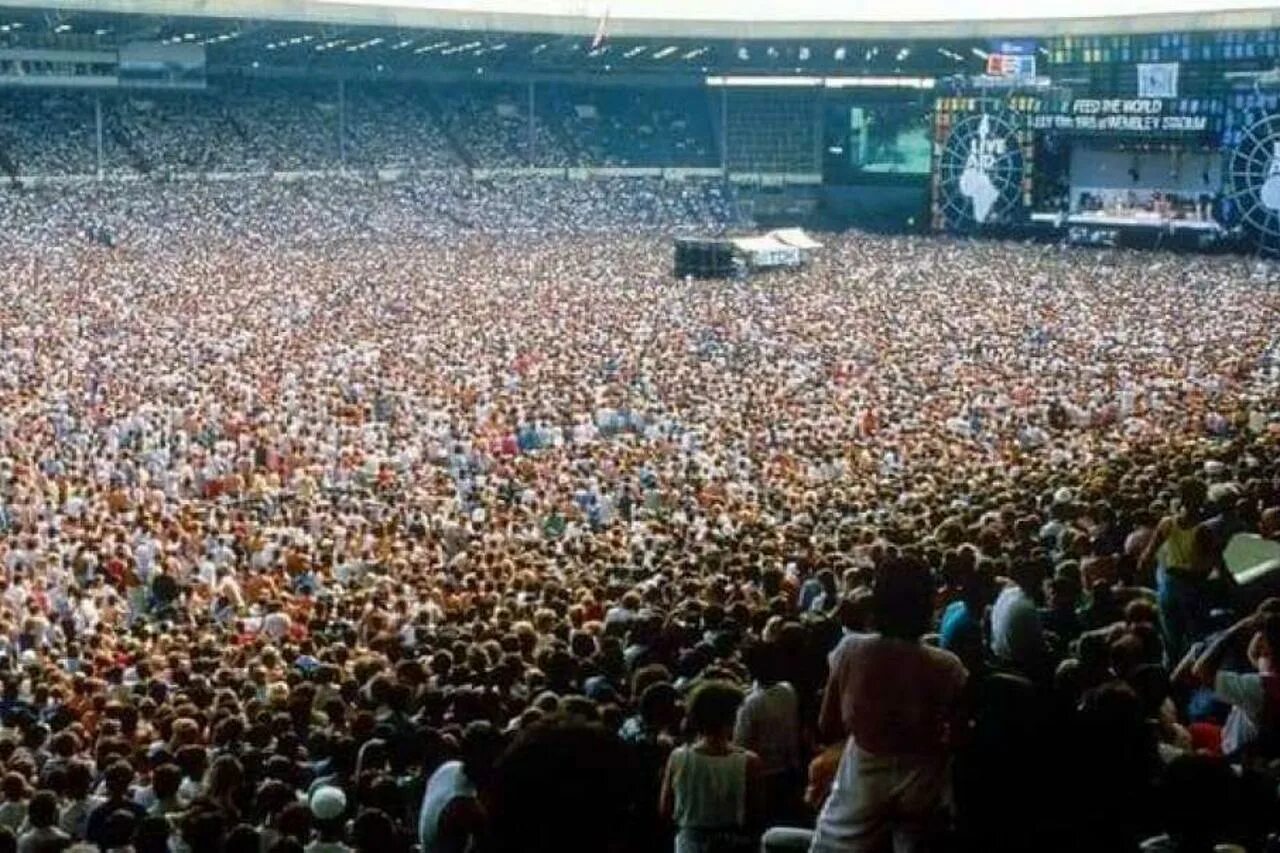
[1206, 668]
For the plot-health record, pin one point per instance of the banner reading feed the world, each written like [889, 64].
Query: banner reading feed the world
[1119, 115]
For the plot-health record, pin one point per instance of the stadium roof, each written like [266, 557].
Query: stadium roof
[734, 19]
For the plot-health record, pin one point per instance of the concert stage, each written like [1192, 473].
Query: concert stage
[1137, 172]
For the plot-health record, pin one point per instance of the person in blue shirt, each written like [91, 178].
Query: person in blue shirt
[962, 631]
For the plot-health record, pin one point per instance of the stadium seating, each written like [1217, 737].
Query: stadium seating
[252, 125]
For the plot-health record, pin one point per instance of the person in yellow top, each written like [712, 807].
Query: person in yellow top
[1180, 546]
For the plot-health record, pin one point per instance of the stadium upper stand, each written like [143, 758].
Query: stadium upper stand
[305, 86]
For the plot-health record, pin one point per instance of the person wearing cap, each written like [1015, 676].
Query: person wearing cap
[328, 805]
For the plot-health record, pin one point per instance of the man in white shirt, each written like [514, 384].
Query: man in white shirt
[1017, 636]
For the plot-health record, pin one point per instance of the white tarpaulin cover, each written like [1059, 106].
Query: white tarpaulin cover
[1249, 556]
[766, 251]
[795, 237]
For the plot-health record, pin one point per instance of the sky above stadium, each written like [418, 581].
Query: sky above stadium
[825, 10]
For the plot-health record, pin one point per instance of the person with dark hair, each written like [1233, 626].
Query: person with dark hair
[118, 830]
[151, 835]
[117, 780]
[13, 806]
[165, 782]
[222, 785]
[294, 823]
[242, 839]
[43, 835]
[768, 725]
[1017, 632]
[1179, 548]
[1198, 804]
[451, 817]
[1060, 615]
[1114, 758]
[203, 828]
[894, 700]
[649, 738]
[193, 760]
[961, 631]
[562, 786]
[712, 789]
[374, 832]
[80, 803]
[829, 594]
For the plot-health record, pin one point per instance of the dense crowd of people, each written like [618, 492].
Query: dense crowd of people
[249, 125]
[267, 213]
[348, 516]
[634, 127]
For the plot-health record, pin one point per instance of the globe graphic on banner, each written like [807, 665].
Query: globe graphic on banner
[980, 171]
[1253, 181]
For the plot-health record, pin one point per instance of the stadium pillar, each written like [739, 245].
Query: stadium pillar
[97, 128]
[819, 113]
[342, 123]
[532, 130]
[724, 131]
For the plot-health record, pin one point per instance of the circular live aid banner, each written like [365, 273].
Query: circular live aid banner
[1253, 182]
[980, 170]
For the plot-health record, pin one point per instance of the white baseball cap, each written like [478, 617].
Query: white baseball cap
[328, 802]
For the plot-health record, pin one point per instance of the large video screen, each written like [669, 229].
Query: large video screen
[889, 138]
[876, 139]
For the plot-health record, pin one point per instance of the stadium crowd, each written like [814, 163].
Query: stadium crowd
[336, 519]
[269, 213]
[247, 125]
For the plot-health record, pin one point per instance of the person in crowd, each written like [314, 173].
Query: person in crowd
[712, 790]
[1253, 725]
[13, 811]
[328, 810]
[961, 629]
[1179, 548]
[1017, 629]
[452, 815]
[768, 726]
[42, 834]
[107, 821]
[563, 784]
[300, 483]
[894, 701]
